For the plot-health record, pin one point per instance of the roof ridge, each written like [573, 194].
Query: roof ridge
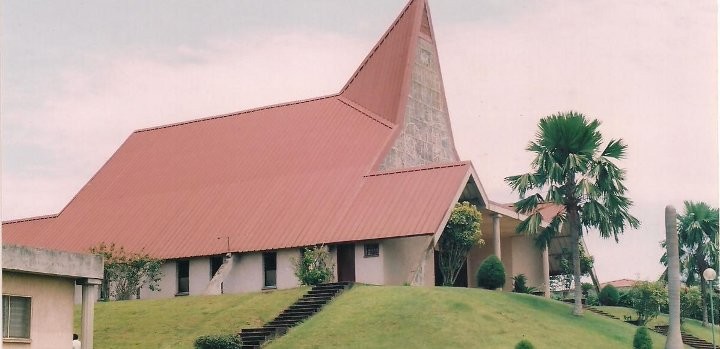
[379, 119]
[28, 219]
[375, 48]
[419, 168]
[246, 111]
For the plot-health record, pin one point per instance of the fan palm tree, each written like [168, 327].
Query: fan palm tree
[697, 233]
[572, 171]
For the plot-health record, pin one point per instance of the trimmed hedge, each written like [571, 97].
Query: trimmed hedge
[491, 274]
[642, 339]
[609, 296]
[218, 341]
[524, 344]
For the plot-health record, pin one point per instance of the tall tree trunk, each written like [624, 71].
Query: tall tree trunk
[703, 292]
[574, 225]
[674, 339]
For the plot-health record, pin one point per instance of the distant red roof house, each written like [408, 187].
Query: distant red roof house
[620, 284]
[372, 164]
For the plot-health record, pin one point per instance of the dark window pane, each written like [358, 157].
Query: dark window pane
[372, 250]
[183, 269]
[269, 268]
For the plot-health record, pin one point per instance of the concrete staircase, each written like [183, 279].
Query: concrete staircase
[214, 287]
[303, 308]
[687, 338]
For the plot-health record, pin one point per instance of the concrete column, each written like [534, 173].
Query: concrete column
[546, 271]
[89, 297]
[496, 234]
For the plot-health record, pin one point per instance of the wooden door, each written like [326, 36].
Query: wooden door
[346, 262]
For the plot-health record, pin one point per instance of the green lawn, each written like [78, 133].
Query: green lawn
[691, 326]
[415, 317]
[175, 323]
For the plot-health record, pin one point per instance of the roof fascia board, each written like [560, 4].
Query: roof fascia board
[446, 217]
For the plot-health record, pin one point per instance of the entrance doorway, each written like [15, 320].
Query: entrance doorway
[460, 281]
[346, 262]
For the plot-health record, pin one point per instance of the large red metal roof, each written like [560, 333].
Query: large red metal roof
[283, 176]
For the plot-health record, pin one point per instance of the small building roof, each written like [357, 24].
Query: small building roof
[622, 283]
[32, 260]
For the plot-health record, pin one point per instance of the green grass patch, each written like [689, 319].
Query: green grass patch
[440, 317]
[691, 326]
[175, 323]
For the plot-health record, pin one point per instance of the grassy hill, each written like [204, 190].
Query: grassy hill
[366, 317]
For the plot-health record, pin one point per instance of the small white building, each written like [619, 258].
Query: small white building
[37, 289]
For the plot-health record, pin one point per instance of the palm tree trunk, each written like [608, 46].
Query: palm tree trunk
[674, 338]
[703, 292]
[574, 225]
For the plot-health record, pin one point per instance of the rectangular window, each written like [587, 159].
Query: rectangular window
[270, 269]
[183, 277]
[372, 250]
[16, 317]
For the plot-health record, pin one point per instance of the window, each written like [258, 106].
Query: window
[270, 269]
[16, 317]
[372, 250]
[183, 277]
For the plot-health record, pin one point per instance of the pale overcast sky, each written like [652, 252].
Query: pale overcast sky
[79, 76]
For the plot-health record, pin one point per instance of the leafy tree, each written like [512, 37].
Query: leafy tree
[314, 266]
[586, 288]
[642, 339]
[697, 233]
[461, 233]
[609, 295]
[647, 299]
[564, 280]
[126, 272]
[491, 274]
[573, 171]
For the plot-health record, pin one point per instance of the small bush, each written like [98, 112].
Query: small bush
[642, 339]
[519, 282]
[314, 266]
[524, 344]
[491, 274]
[222, 341]
[592, 300]
[609, 295]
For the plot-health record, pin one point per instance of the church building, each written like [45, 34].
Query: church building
[228, 201]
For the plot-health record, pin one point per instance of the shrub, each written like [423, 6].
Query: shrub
[314, 266]
[519, 283]
[491, 274]
[524, 344]
[647, 299]
[609, 295]
[642, 339]
[586, 288]
[624, 300]
[222, 341]
[592, 300]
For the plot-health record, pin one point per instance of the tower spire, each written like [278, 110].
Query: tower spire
[400, 81]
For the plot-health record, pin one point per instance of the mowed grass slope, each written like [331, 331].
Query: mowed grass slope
[175, 323]
[415, 317]
[691, 326]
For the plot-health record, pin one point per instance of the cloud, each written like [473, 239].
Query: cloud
[96, 106]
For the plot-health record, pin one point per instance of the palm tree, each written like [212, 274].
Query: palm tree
[572, 171]
[697, 231]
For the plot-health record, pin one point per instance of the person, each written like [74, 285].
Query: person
[76, 342]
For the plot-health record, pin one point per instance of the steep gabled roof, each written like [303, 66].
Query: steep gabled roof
[289, 175]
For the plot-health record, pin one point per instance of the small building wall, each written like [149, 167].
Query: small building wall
[402, 258]
[369, 270]
[285, 268]
[246, 275]
[51, 319]
[199, 275]
[167, 283]
[527, 259]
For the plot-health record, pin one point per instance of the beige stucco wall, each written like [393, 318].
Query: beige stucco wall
[285, 270]
[527, 259]
[199, 275]
[167, 284]
[246, 275]
[51, 321]
[403, 257]
[369, 270]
